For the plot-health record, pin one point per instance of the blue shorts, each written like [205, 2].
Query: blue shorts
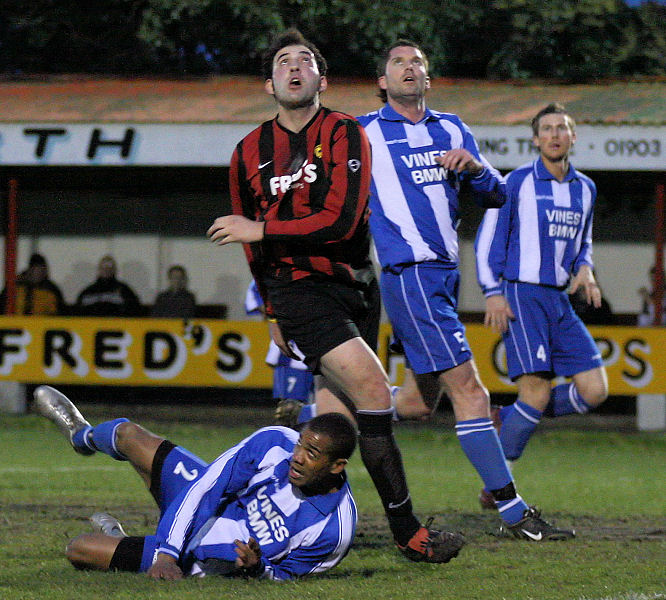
[547, 335]
[421, 302]
[179, 468]
[291, 383]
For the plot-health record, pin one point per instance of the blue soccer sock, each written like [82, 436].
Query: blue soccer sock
[81, 439]
[103, 438]
[518, 425]
[481, 445]
[309, 411]
[565, 400]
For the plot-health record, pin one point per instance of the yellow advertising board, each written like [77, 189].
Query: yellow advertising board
[208, 352]
[142, 352]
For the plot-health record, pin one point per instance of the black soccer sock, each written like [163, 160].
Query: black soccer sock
[381, 457]
[127, 555]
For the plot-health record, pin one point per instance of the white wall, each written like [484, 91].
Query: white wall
[621, 269]
[219, 275]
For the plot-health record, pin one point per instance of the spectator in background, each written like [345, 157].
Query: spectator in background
[176, 300]
[646, 316]
[36, 294]
[107, 296]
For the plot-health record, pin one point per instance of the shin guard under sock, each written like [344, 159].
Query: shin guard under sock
[481, 445]
[518, 425]
[103, 437]
[381, 457]
[565, 400]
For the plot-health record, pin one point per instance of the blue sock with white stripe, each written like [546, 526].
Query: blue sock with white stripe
[518, 425]
[565, 400]
[81, 439]
[104, 438]
[480, 443]
[309, 411]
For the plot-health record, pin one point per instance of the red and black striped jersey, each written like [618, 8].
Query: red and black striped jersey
[311, 188]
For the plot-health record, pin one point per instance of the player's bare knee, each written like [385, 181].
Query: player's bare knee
[374, 395]
[476, 395]
[471, 401]
[127, 431]
[76, 551]
[128, 435]
[480, 400]
[594, 395]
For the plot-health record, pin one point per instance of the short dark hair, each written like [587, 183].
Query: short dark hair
[180, 268]
[37, 260]
[381, 62]
[553, 108]
[341, 431]
[290, 37]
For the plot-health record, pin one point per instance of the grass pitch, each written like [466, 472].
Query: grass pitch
[609, 485]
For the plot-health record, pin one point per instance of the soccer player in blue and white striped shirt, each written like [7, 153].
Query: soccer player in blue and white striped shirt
[528, 252]
[421, 159]
[277, 505]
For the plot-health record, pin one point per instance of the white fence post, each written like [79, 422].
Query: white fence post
[651, 412]
[13, 397]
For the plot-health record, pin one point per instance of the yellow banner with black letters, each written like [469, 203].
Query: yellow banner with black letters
[218, 353]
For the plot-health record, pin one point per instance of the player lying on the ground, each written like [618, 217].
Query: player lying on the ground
[277, 505]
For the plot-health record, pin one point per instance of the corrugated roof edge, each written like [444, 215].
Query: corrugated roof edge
[240, 99]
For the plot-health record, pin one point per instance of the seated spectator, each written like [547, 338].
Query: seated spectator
[36, 294]
[646, 315]
[107, 296]
[176, 300]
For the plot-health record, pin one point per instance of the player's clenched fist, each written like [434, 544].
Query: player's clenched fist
[235, 228]
[459, 160]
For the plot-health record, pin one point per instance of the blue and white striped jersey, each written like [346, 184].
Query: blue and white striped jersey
[246, 493]
[413, 201]
[542, 234]
[254, 303]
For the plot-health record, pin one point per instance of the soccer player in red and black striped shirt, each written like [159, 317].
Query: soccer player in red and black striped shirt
[299, 188]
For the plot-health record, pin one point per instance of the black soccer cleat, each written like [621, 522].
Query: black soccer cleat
[286, 413]
[432, 546]
[533, 527]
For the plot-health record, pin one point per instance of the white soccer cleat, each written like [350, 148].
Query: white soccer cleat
[56, 407]
[107, 525]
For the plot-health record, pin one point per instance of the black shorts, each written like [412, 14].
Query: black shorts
[319, 315]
